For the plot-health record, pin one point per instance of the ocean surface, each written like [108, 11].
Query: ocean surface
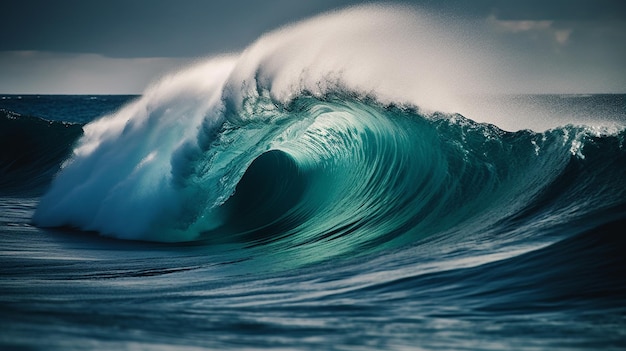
[305, 200]
[368, 227]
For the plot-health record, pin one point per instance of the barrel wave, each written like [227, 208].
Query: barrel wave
[326, 176]
[300, 145]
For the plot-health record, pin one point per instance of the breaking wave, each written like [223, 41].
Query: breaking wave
[304, 143]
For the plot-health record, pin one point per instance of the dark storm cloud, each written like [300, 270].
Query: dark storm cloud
[185, 28]
[118, 46]
[558, 10]
[146, 27]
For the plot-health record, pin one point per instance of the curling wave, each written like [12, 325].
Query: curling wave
[300, 144]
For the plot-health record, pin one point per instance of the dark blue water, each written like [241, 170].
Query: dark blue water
[347, 224]
[64, 108]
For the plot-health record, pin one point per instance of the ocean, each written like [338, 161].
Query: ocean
[327, 196]
[354, 226]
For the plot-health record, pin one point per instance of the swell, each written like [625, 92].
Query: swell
[582, 272]
[592, 185]
[365, 177]
[31, 151]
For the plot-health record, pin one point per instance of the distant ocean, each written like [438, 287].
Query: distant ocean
[313, 199]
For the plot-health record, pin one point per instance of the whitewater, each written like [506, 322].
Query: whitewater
[322, 189]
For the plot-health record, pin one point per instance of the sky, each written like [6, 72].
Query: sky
[119, 46]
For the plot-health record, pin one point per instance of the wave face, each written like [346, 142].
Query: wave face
[31, 150]
[315, 149]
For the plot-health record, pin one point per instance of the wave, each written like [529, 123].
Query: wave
[342, 173]
[305, 144]
[31, 150]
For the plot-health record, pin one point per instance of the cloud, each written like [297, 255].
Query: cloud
[536, 28]
[563, 35]
[555, 10]
[522, 26]
[157, 28]
[41, 72]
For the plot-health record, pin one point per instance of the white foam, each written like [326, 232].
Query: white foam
[394, 53]
[120, 179]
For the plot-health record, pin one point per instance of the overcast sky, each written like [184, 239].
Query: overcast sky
[119, 46]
